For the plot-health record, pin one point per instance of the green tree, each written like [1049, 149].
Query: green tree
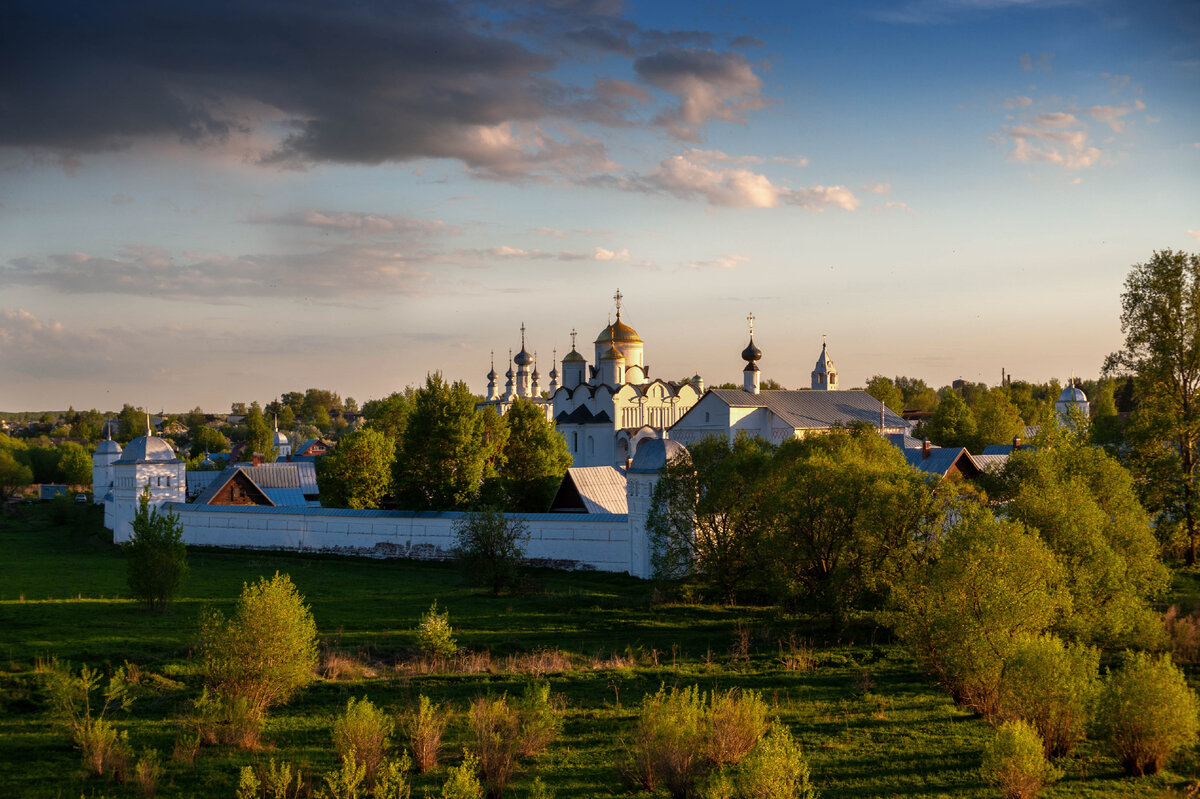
[952, 424]
[358, 472]
[259, 437]
[883, 389]
[1053, 686]
[207, 439]
[997, 419]
[266, 652]
[390, 414]
[982, 591]
[707, 516]
[444, 458]
[74, 464]
[917, 395]
[321, 419]
[491, 548]
[1147, 711]
[14, 476]
[287, 418]
[131, 423]
[156, 558]
[847, 513]
[1160, 317]
[87, 425]
[535, 458]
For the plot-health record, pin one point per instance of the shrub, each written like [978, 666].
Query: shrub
[363, 733]
[1146, 711]
[391, 780]
[1053, 687]
[344, 783]
[219, 719]
[103, 747]
[680, 737]
[425, 728]
[539, 720]
[156, 558]
[491, 547]
[462, 782]
[434, 634]
[1015, 763]
[1183, 634]
[273, 782]
[147, 772]
[497, 732]
[775, 769]
[264, 654]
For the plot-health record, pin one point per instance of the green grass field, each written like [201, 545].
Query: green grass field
[870, 722]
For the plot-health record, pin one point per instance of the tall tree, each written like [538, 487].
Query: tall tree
[535, 458]
[14, 475]
[1160, 317]
[444, 457]
[883, 389]
[131, 423]
[156, 555]
[259, 438]
[390, 414]
[952, 424]
[358, 473]
[917, 395]
[997, 419]
[74, 464]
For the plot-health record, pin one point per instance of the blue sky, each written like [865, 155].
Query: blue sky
[215, 202]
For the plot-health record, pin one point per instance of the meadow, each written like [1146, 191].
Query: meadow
[870, 722]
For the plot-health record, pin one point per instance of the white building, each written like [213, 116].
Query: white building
[145, 461]
[1071, 401]
[106, 454]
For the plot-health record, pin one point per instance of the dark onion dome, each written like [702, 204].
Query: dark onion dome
[751, 353]
[536, 374]
[553, 373]
[509, 373]
[523, 358]
[573, 357]
[618, 331]
[491, 376]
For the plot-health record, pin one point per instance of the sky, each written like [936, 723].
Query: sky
[206, 203]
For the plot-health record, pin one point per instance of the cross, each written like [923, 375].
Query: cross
[522, 335]
[617, 297]
[573, 334]
[750, 319]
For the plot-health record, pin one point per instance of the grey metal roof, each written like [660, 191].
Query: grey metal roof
[146, 449]
[285, 496]
[374, 514]
[990, 463]
[940, 459]
[808, 410]
[602, 488]
[904, 441]
[222, 479]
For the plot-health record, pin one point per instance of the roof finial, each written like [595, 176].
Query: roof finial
[750, 319]
[823, 342]
[617, 297]
[522, 335]
[148, 433]
[493, 360]
[276, 423]
[573, 334]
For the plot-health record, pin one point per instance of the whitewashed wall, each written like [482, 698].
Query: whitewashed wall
[570, 541]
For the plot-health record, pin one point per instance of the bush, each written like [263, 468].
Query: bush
[462, 782]
[425, 728]
[71, 698]
[391, 780]
[156, 558]
[775, 769]
[264, 654]
[497, 732]
[1053, 687]
[363, 733]
[680, 737]
[219, 719]
[147, 772]
[272, 782]
[344, 783]
[1146, 711]
[538, 718]
[435, 637]
[1015, 763]
[491, 547]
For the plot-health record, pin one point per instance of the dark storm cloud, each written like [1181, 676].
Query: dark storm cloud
[707, 83]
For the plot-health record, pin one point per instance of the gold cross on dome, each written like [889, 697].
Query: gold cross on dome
[617, 298]
[573, 334]
[750, 319]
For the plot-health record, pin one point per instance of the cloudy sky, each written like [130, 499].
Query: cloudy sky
[209, 202]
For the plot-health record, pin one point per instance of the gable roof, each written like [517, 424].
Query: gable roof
[591, 489]
[942, 460]
[812, 410]
[227, 475]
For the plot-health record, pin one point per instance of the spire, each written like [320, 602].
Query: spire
[751, 353]
[522, 335]
[148, 433]
[276, 423]
[573, 334]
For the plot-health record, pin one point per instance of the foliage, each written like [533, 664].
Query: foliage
[1053, 687]
[1013, 761]
[344, 782]
[681, 736]
[358, 472]
[391, 781]
[538, 720]
[775, 769]
[390, 414]
[917, 395]
[72, 700]
[147, 772]
[490, 546]
[987, 587]
[266, 652]
[435, 637]
[1083, 504]
[1146, 711]
[883, 389]
[14, 476]
[535, 458]
[156, 558]
[74, 464]
[495, 730]
[462, 782]
[443, 459]
[952, 424]
[707, 514]
[363, 734]
[131, 423]
[260, 440]
[848, 515]
[207, 439]
[1160, 317]
[425, 728]
[997, 419]
[270, 782]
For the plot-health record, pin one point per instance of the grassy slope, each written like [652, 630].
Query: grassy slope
[871, 724]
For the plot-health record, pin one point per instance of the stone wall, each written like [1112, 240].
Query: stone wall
[568, 540]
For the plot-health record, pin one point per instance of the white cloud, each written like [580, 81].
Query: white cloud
[602, 254]
[877, 188]
[1194, 234]
[728, 261]
[1110, 115]
[709, 85]
[716, 156]
[684, 177]
[1018, 102]
[780, 159]
[356, 223]
[818, 198]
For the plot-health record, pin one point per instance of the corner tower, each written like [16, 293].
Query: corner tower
[824, 376]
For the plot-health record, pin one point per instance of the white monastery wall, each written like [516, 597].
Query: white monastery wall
[566, 540]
